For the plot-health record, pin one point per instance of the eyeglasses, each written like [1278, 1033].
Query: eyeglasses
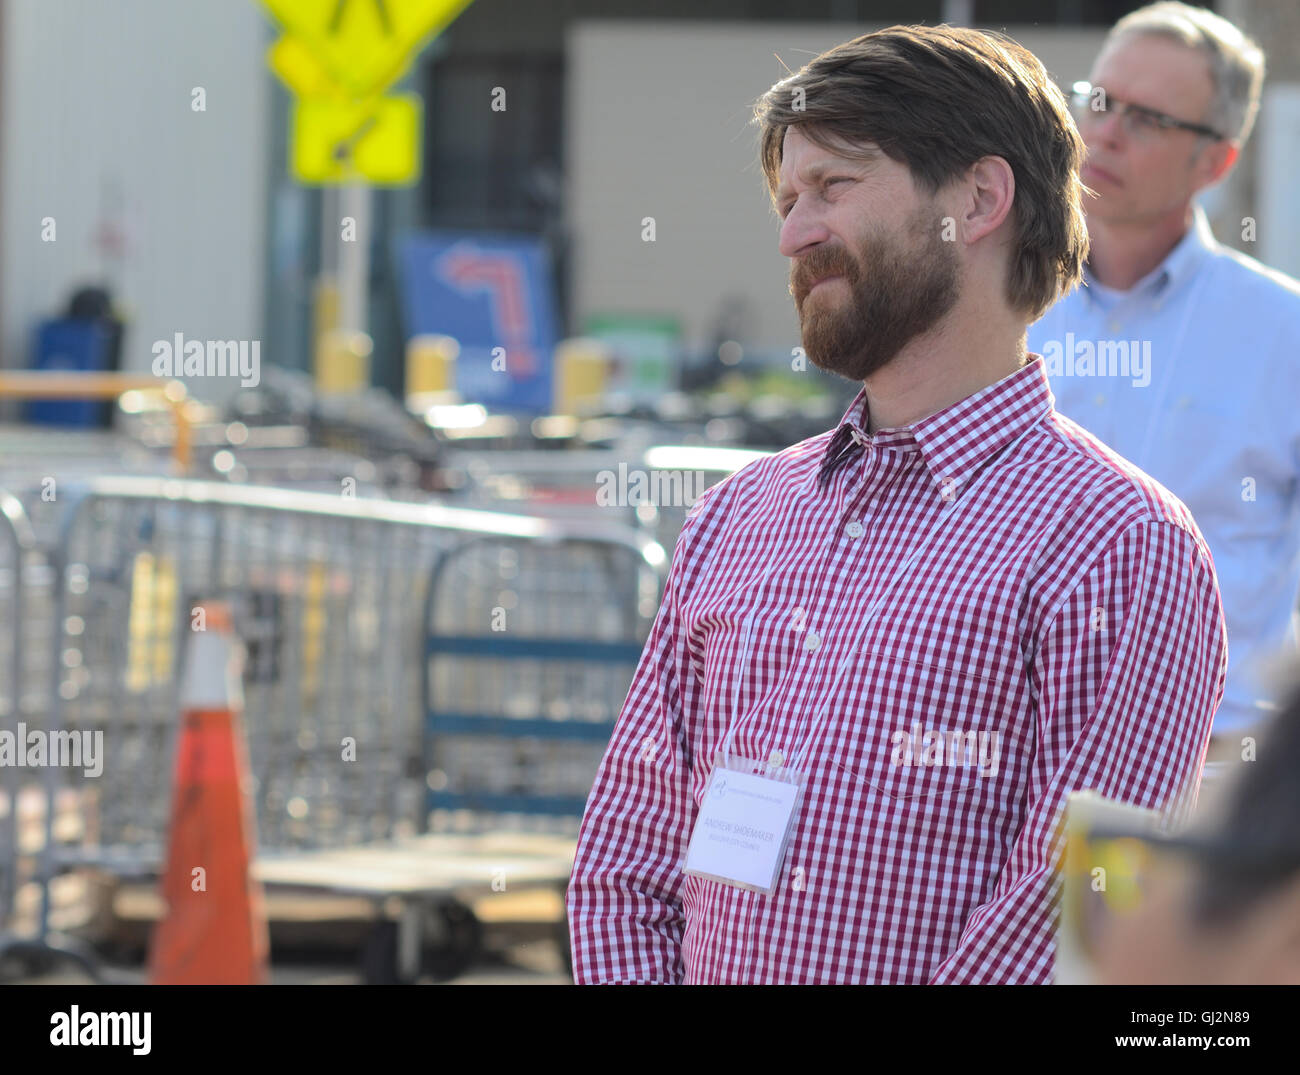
[1130, 859]
[1142, 123]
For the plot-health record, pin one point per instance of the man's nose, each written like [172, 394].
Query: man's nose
[1107, 127]
[801, 230]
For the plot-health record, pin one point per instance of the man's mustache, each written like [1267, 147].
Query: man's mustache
[803, 278]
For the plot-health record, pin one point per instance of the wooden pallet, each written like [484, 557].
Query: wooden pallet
[428, 902]
[456, 865]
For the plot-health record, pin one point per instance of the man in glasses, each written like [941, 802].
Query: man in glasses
[1180, 353]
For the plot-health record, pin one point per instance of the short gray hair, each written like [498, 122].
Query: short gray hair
[1236, 60]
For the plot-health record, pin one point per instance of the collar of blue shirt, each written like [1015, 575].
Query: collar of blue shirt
[957, 441]
[1179, 265]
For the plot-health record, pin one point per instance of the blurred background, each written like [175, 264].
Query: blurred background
[409, 331]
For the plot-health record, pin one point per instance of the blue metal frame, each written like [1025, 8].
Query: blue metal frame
[494, 726]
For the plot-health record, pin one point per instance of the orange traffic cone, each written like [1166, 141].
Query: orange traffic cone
[214, 929]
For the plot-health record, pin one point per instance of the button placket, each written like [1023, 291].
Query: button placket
[855, 528]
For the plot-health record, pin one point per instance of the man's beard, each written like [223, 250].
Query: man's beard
[894, 295]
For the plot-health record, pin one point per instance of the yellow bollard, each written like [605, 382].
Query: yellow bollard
[430, 365]
[581, 371]
[343, 362]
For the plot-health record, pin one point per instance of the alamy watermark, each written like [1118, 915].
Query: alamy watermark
[62, 750]
[1099, 358]
[179, 357]
[661, 488]
[75, 1027]
[937, 747]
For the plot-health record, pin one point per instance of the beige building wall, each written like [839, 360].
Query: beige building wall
[1263, 187]
[97, 129]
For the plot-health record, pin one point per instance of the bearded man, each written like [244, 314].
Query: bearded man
[887, 654]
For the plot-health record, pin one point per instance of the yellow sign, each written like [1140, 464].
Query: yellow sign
[362, 45]
[378, 140]
[299, 69]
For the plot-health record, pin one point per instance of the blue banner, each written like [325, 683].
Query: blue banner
[493, 294]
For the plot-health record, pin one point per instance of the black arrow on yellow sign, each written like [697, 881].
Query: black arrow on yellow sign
[381, 6]
[343, 150]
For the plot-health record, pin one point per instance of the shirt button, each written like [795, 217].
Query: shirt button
[854, 529]
[812, 641]
[1099, 399]
[1185, 402]
[1113, 325]
[777, 758]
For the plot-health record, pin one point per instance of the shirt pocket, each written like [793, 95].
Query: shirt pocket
[923, 731]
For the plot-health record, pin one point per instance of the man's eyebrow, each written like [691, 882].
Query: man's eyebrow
[815, 172]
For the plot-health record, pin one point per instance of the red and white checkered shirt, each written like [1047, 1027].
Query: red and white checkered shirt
[1067, 612]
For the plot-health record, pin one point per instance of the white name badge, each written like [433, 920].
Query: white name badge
[744, 824]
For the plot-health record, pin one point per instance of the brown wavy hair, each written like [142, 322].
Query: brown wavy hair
[938, 99]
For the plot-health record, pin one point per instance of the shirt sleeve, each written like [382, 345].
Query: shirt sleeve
[623, 903]
[1127, 676]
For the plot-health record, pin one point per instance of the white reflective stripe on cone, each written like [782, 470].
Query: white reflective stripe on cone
[213, 672]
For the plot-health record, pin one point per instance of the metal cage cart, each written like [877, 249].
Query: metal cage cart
[346, 607]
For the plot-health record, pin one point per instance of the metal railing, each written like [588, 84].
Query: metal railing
[16, 545]
[652, 488]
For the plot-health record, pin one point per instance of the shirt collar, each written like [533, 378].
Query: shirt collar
[957, 441]
[1179, 264]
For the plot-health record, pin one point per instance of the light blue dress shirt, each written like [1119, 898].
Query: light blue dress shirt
[1193, 375]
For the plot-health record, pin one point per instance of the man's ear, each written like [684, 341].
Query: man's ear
[991, 191]
[1217, 161]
